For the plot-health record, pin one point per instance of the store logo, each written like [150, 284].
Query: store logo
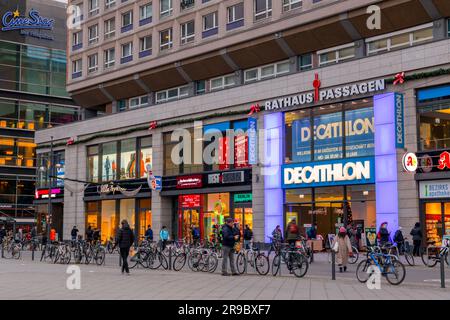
[426, 163]
[410, 162]
[13, 20]
[444, 160]
[189, 182]
[399, 124]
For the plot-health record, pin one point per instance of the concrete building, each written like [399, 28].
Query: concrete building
[33, 96]
[338, 115]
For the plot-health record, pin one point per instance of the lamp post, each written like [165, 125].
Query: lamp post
[50, 174]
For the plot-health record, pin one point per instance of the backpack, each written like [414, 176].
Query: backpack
[293, 228]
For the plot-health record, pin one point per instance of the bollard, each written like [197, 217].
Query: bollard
[442, 271]
[32, 250]
[312, 252]
[3, 249]
[333, 265]
[120, 260]
[170, 257]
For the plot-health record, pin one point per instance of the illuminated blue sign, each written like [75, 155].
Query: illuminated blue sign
[13, 20]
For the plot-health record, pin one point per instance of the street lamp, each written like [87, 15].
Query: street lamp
[50, 185]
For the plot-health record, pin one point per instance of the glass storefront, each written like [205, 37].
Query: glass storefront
[434, 127]
[145, 216]
[434, 213]
[109, 220]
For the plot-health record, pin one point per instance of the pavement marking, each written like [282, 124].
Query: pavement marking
[435, 280]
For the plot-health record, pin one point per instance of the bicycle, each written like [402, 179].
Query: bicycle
[388, 265]
[431, 255]
[295, 261]
[156, 258]
[255, 259]
[405, 249]
[203, 260]
[140, 258]
[11, 249]
[98, 253]
[61, 254]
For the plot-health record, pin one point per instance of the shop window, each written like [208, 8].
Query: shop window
[359, 130]
[170, 167]
[297, 137]
[127, 211]
[128, 159]
[109, 220]
[109, 161]
[145, 217]
[303, 195]
[92, 214]
[8, 114]
[434, 124]
[93, 158]
[8, 191]
[216, 211]
[146, 157]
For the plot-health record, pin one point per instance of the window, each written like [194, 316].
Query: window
[92, 63]
[77, 66]
[336, 55]
[263, 9]
[93, 34]
[77, 38]
[222, 82]
[110, 3]
[235, 13]
[268, 71]
[109, 161]
[145, 43]
[110, 28]
[165, 8]
[77, 13]
[165, 39]
[145, 156]
[93, 7]
[127, 49]
[127, 21]
[137, 102]
[127, 159]
[305, 62]
[187, 32]
[186, 4]
[93, 162]
[110, 58]
[172, 94]
[400, 39]
[200, 87]
[145, 11]
[210, 21]
[291, 4]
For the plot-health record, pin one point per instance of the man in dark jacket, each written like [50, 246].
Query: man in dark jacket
[229, 237]
[399, 240]
[74, 233]
[248, 235]
[125, 239]
[89, 234]
[383, 234]
[149, 233]
[2, 233]
[416, 233]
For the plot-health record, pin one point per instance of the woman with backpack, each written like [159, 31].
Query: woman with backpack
[292, 232]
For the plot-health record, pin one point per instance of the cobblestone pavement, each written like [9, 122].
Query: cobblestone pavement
[25, 279]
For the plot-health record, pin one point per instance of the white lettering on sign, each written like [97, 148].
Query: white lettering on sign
[334, 130]
[349, 171]
[324, 95]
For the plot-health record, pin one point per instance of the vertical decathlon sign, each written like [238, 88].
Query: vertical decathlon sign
[252, 141]
[399, 121]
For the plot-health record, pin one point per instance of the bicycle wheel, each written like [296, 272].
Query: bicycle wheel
[447, 259]
[409, 259]
[67, 256]
[299, 265]
[429, 258]
[16, 252]
[179, 262]
[395, 272]
[276, 262]
[163, 260]
[194, 261]
[262, 264]
[354, 258]
[213, 262]
[56, 256]
[153, 261]
[241, 263]
[362, 271]
[100, 256]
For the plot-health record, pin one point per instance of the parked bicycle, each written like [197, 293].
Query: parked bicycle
[432, 254]
[295, 261]
[254, 258]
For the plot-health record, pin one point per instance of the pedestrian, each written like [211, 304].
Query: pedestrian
[149, 233]
[89, 234]
[416, 233]
[292, 232]
[383, 234]
[33, 233]
[164, 235]
[74, 233]
[312, 232]
[343, 248]
[96, 235]
[399, 240]
[229, 238]
[277, 234]
[248, 236]
[125, 239]
[2, 233]
[52, 235]
[195, 234]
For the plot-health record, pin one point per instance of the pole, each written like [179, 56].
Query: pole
[312, 251]
[50, 174]
[442, 257]
[32, 249]
[170, 257]
[333, 265]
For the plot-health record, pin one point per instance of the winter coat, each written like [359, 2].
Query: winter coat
[398, 237]
[291, 234]
[74, 232]
[228, 234]
[344, 248]
[149, 234]
[383, 235]
[164, 235]
[248, 234]
[416, 233]
[125, 237]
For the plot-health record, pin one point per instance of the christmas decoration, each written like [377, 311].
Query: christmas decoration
[254, 109]
[153, 125]
[399, 78]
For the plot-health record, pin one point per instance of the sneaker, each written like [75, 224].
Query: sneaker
[340, 269]
[225, 274]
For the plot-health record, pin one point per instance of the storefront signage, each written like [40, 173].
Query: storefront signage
[444, 161]
[190, 201]
[243, 197]
[436, 161]
[226, 177]
[105, 189]
[371, 236]
[252, 141]
[399, 121]
[434, 189]
[43, 193]
[326, 95]
[327, 132]
[187, 182]
[156, 183]
[13, 20]
[336, 172]
[320, 211]
[410, 162]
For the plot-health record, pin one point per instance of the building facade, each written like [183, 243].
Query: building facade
[335, 104]
[32, 97]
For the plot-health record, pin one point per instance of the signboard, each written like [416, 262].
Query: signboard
[399, 121]
[252, 141]
[371, 236]
[187, 182]
[190, 201]
[434, 161]
[60, 171]
[31, 25]
[243, 197]
[329, 173]
[156, 183]
[434, 189]
[410, 162]
[233, 177]
[43, 193]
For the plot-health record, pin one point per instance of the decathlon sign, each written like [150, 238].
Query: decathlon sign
[319, 95]
[329, 173]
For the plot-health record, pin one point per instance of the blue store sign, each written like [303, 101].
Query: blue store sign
[399, 121]
[252, 141]
[329, 173]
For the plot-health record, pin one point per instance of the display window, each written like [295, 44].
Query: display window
[145, 216]
[216, 210]
[109, 220]
[92, 169]
[434, 123]
[128, 159]
[434, 213]
[127, 211]
[92, 214]
[146, 157]
[109, 161]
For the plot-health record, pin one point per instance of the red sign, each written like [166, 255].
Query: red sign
[224, 164]
[444, 160]
[241, 151]
[44, 193]
[187, 182]
[190, 201]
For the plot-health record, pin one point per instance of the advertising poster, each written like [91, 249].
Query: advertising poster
[371, 236]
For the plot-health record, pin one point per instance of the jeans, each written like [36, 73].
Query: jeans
[163, 245]
[247, 244]
[228, 253]
[124, 252]
[416, 251]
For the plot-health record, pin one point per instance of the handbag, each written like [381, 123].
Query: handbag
[336, 246]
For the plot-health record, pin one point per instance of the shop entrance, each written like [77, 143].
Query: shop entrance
[190, 220]
[243, 214]
[435, 213]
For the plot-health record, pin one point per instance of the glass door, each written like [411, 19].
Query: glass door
[190, 219]
[243, 216]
